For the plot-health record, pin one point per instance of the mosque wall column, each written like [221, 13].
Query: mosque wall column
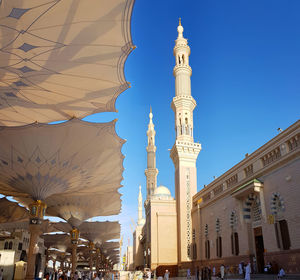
[36, 211]
[74, 234]
[74, 260]
[54, 261]
[91, 248]
[97, 260]
[47, 258]
[62, 267]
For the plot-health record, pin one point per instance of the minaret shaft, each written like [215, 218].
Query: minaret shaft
[184, 152]
[140, 206]
[151, 171]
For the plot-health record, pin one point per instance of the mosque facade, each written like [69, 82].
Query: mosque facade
[250, 213]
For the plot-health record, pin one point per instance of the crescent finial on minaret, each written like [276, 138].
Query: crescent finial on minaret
[179, 21]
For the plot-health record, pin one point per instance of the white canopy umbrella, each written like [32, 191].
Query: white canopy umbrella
[62, 59]
[40, 160]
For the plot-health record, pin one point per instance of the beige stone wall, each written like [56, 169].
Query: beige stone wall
[285, 181]
[163, 233]
[221, 211]
[138, 258]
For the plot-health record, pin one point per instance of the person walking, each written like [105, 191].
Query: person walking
[188, 274]
[167, 274]
[247, 271]
[222, 271]
[281, 273]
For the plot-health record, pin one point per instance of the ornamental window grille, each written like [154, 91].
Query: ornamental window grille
[233, 220]
[206, 230]
[294, 142]
[218, 226]
[271, 156]
[249, 170]
[232, 181]
[277, 205]
[256, 211]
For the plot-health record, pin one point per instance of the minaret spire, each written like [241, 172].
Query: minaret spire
[184, 152]
[151, 171]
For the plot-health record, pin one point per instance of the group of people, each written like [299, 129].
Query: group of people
[245, 270]
[60, 275]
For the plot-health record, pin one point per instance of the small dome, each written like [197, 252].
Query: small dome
[162, 190]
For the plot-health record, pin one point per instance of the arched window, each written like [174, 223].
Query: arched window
[194, 246]
[282, 235]
[219, 246]
[10, 245]
[281, 225]
[207, 249]
[234, 235]
[207, 245]
[6, 245]
[219, 239]
[235, 250]
[179, 59]
[252, 209]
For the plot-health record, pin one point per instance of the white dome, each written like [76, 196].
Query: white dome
[162, 190]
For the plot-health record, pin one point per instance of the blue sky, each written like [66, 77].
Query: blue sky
[245, 57]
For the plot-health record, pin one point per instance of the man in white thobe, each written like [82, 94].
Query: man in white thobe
[222, 271]
[247, 271]
[166, 276]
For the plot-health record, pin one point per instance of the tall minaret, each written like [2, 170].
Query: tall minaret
[140, 207]
[151, 171]
[184, 153]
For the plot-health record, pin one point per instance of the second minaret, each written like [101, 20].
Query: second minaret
[151, 171]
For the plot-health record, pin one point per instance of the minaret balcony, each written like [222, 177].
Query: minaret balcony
[185, 150]
[182, 68]
[183, 101]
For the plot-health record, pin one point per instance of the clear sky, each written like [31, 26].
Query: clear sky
[245, 57]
